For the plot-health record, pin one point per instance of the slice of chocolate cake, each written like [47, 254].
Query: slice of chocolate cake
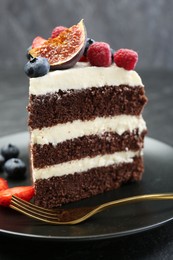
[87, 132]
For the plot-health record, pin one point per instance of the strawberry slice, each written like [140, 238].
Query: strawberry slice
[23, 192]
[3, 184]
[37, 42]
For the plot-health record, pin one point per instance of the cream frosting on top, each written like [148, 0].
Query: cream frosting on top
[83, 76]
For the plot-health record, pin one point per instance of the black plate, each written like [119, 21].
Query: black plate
[118, 221]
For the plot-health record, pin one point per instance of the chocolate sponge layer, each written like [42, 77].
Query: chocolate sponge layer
[67, 106]
[56, 191]
[92, 145]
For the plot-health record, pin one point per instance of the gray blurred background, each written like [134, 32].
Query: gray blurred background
[142, 25]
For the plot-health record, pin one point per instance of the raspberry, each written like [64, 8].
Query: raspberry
[126, 58]
[37, 42]
[99, 54]
[83, 59]
[57, 30]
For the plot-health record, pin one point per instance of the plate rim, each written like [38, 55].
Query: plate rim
[86, 237]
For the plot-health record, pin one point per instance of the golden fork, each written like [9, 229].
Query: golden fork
[61, 216]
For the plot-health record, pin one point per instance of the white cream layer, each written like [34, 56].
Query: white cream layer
[83, 76]
[84, 164]
[78, 128]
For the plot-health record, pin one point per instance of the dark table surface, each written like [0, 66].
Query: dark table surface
[156, 243]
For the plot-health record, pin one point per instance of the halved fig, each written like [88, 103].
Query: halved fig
[65, 50]
[37, 42]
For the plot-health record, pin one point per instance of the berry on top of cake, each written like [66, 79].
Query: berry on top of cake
[85, 118]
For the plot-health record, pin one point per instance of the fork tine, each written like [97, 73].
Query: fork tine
[31, 205]
[32, 215]
[35, 212]
[27, 209]
[60, 216]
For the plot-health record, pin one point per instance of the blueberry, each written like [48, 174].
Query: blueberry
[15, 168]
[27, 53]
[2, 161]
[37, 67]
[112, 54]
[9, 151]
[88, 43]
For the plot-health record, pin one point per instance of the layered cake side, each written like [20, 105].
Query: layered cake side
[85, 116]
[87, 132]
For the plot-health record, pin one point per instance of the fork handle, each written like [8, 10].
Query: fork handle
[145, 197]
